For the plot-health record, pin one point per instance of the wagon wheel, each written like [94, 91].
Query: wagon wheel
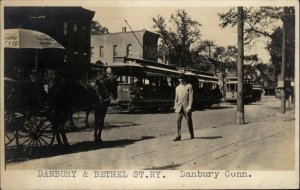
[34, 133]
[10, 127]
[72, 121]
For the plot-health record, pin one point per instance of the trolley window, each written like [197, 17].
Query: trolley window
[231, 87]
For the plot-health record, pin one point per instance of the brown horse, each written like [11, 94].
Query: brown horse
[72, 96]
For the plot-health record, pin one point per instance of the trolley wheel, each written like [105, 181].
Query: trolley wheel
[35, 132]
[72, 121]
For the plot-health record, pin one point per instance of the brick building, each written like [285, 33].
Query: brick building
[109, 46]
[70, 26]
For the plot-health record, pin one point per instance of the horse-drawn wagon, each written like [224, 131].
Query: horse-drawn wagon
[27, 116]
[36, 113]
[34, 116]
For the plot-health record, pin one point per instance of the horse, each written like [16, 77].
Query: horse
[72, 96]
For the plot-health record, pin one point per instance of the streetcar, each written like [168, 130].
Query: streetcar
[147, 85]
[206, 88]
[232, 90]
[144, 84]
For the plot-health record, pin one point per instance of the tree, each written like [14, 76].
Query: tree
[97, 28]
[227, 58]
[275, 48]
[259, 22]
[178, 38]
[201, 54]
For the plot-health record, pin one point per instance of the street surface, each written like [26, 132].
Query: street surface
[144, 140]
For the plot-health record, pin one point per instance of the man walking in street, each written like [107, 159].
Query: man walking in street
[183, 105]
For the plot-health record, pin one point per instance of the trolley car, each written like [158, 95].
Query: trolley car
[232, 89]
[206, 88]
[144, 84]
[150, 85]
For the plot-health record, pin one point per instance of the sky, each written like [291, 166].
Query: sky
[141, 18]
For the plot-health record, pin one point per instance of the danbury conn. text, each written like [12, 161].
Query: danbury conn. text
[213, 174]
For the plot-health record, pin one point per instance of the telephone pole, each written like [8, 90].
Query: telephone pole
[282, 75]
[239, 118]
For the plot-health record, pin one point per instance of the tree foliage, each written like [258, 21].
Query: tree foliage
[259, 22]
[178, 36]
[201, 53]
[97, 28]
[227, 58]
[275, 50]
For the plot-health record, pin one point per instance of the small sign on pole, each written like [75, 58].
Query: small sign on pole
[280, 84]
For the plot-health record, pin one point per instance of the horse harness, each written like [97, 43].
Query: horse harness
[97, 88]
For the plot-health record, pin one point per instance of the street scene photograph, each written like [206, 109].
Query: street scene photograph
[150, 88]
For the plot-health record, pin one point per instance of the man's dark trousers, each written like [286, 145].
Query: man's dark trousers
[188, 117]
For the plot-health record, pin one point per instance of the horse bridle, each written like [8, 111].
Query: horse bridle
[107, 92]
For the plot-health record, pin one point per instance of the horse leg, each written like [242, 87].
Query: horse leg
[57, 133]
[60, 133]
[72, 121]
[101, 117]
[97, 123]
[101, 126]
[64, 137]
[87, 113]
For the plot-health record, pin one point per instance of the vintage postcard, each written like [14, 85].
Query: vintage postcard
[133, 94]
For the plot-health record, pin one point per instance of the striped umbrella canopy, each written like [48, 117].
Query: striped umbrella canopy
[23, 38]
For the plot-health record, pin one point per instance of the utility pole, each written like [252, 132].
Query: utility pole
[239, 118]
[209, 43]
[282, 75]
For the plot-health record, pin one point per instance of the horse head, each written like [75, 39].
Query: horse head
[109, 85]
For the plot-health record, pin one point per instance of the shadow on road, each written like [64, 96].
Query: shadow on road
[145, 111]
[15, 154]
[220, 108]
[210, 138]
[108, 126]
[119, 125]
[206, 138]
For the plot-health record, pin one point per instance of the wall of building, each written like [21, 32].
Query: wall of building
[120, 41]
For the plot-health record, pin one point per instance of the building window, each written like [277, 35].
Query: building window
[84, 32]
[65, 28]
[75, 28]
[115, 52]
[65, 58]
[129, 50]
[92, 51]
[101, 51]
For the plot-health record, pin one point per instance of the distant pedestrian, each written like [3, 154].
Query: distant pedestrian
[183, 105]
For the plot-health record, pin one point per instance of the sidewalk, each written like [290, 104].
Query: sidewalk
[268, 144]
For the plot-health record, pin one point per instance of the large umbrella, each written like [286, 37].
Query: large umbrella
[23, 38]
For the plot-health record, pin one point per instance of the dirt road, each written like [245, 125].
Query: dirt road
[144, 141]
